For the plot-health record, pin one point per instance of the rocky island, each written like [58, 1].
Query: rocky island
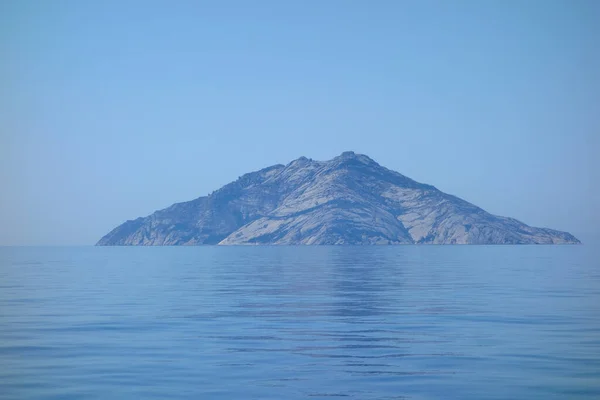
[349, 200]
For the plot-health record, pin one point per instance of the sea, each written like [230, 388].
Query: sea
[277, 322]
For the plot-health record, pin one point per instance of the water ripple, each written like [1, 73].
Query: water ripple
[409, 322]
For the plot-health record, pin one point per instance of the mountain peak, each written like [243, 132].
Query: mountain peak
[299, 162]
[352, 156]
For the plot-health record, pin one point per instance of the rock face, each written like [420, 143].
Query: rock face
[349, 200]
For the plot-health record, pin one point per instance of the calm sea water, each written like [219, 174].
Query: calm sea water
[414, 322]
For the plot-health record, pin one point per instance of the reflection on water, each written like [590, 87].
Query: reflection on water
[413, 322]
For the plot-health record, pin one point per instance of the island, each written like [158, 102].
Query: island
[349, 200]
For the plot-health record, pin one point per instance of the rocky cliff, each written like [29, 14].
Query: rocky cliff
[349, 200]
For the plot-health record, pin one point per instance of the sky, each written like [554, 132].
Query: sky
[110, 110]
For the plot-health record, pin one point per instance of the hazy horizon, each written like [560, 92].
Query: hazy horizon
[111, 111]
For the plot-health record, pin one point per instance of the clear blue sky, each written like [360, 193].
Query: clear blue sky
[110, 110]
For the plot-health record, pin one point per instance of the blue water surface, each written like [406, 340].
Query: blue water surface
[402, 322]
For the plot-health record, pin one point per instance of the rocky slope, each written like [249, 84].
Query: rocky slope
[348, 200]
